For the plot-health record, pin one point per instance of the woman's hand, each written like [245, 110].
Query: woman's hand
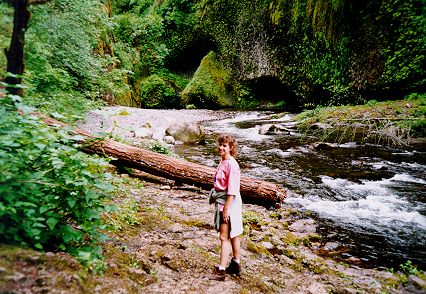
[225, 214]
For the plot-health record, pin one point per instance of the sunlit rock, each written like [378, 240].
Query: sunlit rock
[189, 133]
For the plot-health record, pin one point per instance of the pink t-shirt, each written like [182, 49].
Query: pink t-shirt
[227, 177]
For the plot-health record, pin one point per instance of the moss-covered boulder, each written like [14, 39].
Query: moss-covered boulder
[158, 92]
[211, 85]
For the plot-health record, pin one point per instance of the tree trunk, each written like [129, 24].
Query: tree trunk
[15, 53]
[252, 190]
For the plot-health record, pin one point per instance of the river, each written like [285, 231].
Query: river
[368, 200]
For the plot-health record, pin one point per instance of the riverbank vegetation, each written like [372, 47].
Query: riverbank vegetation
[389, 122]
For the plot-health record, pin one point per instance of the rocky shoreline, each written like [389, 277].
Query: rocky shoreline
[134, 124]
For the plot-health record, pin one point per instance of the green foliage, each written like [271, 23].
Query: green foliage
[159, 148]
[371, 102]
[61, 39]
[245, 97]
[419, 127]
[325, 52]
[146, 34]
[409, 269]
[69, 107]
[179, 20]
[210, 86]
[6, 22]
[158, 92]
[405, 54]
[51, 194]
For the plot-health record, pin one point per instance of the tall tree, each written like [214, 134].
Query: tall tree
[15, 53]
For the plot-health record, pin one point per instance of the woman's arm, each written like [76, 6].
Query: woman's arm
[226, 206]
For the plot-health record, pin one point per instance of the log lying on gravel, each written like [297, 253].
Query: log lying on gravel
[252, 190]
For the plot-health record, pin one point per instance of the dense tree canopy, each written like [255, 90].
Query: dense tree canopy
[144, 53]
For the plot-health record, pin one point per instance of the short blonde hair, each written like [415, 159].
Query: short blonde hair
[232, 142]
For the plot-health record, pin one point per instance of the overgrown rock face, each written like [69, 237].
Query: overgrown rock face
[255, 58]
[322, 51]
[210, 86]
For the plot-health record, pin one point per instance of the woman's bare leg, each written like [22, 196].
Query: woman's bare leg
[225, 244]
[235, 242]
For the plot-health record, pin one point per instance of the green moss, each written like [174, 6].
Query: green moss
[257, 248]
[210, 86]
[6, 22]
[159, 92]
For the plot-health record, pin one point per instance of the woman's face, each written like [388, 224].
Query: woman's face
[224, 150]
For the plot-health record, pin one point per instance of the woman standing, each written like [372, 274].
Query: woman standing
[228, 214]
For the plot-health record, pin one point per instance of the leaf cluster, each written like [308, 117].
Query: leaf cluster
[51, 194]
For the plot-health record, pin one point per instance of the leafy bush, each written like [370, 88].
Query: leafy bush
[157, 92]
[419, 128]
[409, 269]
[51, 194]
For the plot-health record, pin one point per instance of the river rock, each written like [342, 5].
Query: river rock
[144, 133]
[331, 246]
[267, 245]
[317, 288]
[189, 133]
[304, 226]
[416, 284]
[324, 146]
[273, 129]
[169, 140]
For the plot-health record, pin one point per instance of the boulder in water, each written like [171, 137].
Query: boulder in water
[189, 133]
[273, 129]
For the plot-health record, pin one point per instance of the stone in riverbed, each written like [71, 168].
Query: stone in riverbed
[169, 140]
[273, 129]
[306, 226]
[416, 284]
[317, 288]
[144, 133]
[189, 133]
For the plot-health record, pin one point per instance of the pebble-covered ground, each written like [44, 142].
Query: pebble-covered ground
[124, 121]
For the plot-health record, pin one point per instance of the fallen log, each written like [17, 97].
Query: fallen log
[252, 190]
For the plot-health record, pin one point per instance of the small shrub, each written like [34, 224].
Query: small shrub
[409, 269]
[371, 102]
[419, 128]
[51, 194]
[159, 148]
[124, 112]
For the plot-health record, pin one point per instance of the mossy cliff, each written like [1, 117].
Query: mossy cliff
[210, 86]
[315, 52]
[297, 53]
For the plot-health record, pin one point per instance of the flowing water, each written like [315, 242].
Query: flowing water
[369, 200]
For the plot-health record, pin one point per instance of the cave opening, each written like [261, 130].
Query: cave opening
[187, 60]
[270, 89]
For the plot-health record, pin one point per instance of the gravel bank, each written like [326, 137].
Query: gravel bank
[124, 121]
